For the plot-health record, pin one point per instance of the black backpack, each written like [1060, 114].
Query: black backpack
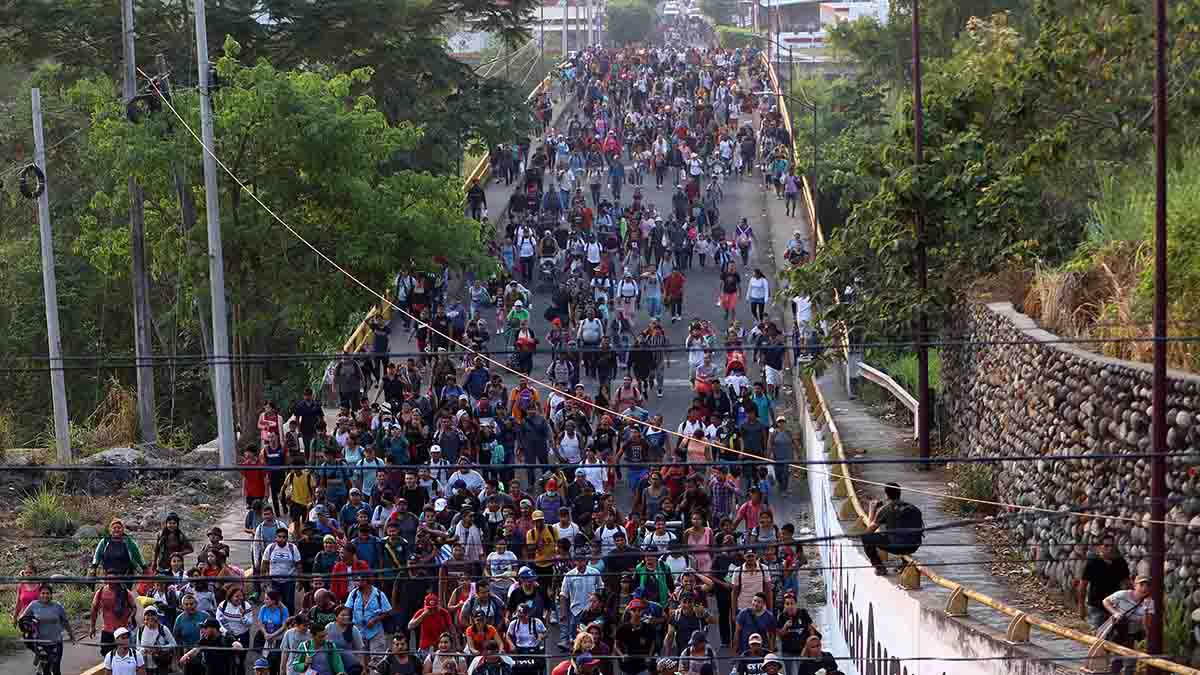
[908, 524]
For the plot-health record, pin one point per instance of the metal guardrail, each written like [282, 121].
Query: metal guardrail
[1019, 626]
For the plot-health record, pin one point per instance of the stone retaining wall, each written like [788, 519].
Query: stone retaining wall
[1048, 400]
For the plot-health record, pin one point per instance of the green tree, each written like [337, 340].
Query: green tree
[311, 151]
[403, 42]
[630, 21]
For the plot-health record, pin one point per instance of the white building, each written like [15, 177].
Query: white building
[803, 24]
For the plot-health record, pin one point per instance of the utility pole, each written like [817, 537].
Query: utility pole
[578, 13]
[142, 319]
[58, 385]
[923, 412]
[542, 30]
[565, 6]
[1158, 421]
[222, 370]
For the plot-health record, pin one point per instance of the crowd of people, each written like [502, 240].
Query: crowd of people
[463, 522]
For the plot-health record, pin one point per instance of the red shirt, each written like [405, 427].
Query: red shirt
[254, 483]
[339, 583]
[437, 621]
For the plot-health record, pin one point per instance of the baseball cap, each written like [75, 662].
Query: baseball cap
[756, 639]
[120, 632]
[262, 664]
[215, 530]
[431, 600]
[538, 515]
[1141, 579]
[585, 659]
[666, 664]
[356, 491]
[439, 505]
[773, 658]
[211, 623]
[698, 637]
[329, 539]
[638, 603]
[551, 484]
[526, 573]
[435, 448]
[150, 609]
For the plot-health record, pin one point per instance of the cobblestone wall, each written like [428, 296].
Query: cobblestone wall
[1048, 400]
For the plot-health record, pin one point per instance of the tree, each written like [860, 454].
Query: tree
[403, 42]
[311, 151]
[629, 21]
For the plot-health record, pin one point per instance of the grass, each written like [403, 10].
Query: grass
[47, 512]
[971, 481]
[903, 368]
[77, 600]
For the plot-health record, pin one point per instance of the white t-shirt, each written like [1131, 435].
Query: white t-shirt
[569, 533]
[802, 306]
[759, 289]
[501, 564]
[658, 542]
[281, 560]
[595, 474]
[1128, 605]
[124, 665]
[571, 448]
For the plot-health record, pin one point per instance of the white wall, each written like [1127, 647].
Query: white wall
[877, 621]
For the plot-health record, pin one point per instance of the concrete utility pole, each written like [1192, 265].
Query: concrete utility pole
[578, 37]
[58, 385]
[222, 370]
[142, 318]
[1158, 421]
[922, 327]
[565, 6]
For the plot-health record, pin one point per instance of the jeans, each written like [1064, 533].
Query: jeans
[676, 306]
[757, 308]
[635, 477]
[654, 307]
[568, 631]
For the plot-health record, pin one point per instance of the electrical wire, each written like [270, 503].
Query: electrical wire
[552, 467]
[733, 658]
[505, 367]
[468, 351]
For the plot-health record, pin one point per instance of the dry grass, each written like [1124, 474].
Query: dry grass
[1100, 298]
[115, 420]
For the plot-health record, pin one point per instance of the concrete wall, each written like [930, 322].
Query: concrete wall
[1043, 400]
[886, 629]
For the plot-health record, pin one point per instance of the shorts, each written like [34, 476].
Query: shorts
[772, 376]
[729, 301]
[297, 513]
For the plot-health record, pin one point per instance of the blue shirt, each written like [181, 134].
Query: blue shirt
[367, 608]
[187, 628]
[369, 551]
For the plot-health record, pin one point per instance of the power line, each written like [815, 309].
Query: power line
[505, 367]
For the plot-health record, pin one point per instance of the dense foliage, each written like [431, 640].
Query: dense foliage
[367, 176]
[1026, 113]
[630, 21]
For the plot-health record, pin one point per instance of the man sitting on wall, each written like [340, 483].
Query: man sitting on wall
[903, 528]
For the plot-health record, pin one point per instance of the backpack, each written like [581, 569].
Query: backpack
[908, 523]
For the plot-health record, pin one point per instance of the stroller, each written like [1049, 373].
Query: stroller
[28, 626]
[547, 275]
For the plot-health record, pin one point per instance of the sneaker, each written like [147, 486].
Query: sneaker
[660, 395]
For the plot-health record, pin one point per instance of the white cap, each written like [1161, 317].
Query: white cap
[435, 448]
[120, 632]
[439, 505]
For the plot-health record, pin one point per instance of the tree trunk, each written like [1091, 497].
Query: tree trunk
[247, 383]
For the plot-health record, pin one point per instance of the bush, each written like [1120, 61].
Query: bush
[10, 637]
[972, 480]
[46, 512]
[77, 599]
[903, 369]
